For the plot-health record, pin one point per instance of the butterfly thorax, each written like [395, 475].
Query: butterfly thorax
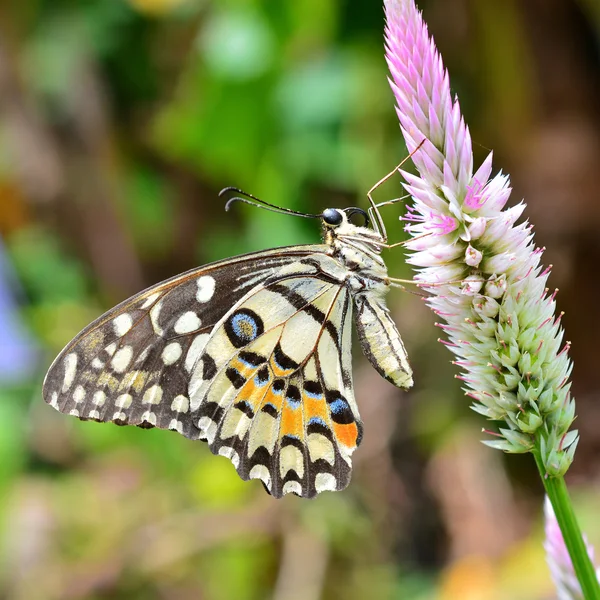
[358, 248]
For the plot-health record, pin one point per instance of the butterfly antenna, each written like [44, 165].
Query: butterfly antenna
[247, 198]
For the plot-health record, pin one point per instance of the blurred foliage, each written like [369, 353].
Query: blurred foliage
[119, 123]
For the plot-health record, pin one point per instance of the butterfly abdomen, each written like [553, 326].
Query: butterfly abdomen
[381, 341]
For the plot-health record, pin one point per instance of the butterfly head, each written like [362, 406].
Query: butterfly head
[340, 223]
[357, 245]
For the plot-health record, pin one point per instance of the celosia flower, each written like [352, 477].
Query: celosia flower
[480, 266]
[560, 564]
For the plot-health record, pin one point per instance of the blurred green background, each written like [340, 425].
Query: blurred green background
[119, 123]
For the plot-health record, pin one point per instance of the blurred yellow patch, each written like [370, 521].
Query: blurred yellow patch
[157, 7]
[215, 483]
[472, 578]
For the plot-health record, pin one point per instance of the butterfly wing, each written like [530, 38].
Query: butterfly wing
[251, 354]
[273, 388]
[133, 364]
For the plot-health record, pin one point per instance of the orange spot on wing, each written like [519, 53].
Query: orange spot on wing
[315, 408]
[291, 422]
[275, 399]
[252, 394]
[346, 434]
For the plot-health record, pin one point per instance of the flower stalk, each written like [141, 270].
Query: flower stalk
[501, 319]
[569, 557]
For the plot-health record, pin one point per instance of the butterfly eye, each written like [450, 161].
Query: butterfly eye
[331, 216]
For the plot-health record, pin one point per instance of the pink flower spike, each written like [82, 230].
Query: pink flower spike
[474, 258]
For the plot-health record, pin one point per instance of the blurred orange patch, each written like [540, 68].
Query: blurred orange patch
[156, 7]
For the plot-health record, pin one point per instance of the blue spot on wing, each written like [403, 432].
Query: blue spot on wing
[244, 326]
[338, 406]
[317, 421]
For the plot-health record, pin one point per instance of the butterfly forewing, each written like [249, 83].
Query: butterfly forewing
[133, 364]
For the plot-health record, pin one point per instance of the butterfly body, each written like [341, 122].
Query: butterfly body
[251, 354]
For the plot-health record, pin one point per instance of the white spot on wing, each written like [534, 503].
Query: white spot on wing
[292, 487]
[121, 359]
[290, 458]
[261, 472]
[94, 414]
[153, 395]
[264, 432]
[124, 401]
[208, 429]
[97, 364]
[154, 314]
[235, 423]
[187, 322]
[54, 400]
[99, 398]
[299, 335]
[176, 425]
[149, 417]
[119, 416]
[79, 394]
[110, 349]
[196, 348]
[144, 355]
[74, 412]
[325, 482]
[70, 364]
[319, 447]
[171, 353]
[122, 324]
[206, 288]
[180, 404]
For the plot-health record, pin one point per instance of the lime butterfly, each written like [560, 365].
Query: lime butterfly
[251, 354]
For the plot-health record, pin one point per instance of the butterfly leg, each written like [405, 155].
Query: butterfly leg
[373, 210]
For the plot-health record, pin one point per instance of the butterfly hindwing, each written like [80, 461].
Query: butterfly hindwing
[278, 399]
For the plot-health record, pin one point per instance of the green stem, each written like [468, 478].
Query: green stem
[563, 509]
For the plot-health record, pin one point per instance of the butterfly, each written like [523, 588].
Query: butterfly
[251, 354]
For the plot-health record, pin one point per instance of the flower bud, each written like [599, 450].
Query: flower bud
[471, 285]
[477, 227]
[473, 256]
[496, 286]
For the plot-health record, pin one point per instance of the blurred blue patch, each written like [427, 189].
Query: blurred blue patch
[18, 351]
